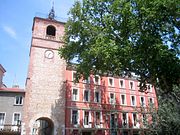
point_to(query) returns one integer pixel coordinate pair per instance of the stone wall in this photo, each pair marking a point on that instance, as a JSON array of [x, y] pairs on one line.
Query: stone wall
[[45, 96]]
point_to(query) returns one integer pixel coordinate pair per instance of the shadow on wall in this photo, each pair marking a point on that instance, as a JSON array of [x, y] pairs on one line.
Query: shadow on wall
[[64, 104], [58, 110]]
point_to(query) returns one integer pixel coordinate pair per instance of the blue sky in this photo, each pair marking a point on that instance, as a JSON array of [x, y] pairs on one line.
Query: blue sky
[[16, 18]]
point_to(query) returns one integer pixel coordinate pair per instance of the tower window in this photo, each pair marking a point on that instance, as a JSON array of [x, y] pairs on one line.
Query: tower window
[[51, 31]]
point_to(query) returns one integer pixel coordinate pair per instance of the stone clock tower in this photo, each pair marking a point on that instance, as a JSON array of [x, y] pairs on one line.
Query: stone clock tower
[[44, 107]]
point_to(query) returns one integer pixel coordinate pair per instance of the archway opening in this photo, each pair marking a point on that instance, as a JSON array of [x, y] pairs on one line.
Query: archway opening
[[51, 30], [44, 126]]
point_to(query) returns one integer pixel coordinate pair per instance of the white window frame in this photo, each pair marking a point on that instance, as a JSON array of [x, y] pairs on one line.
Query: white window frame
[[19, 96], [134, 100], [114, 99], [97, 83], [100, 125], [125, 102], [138, 83], [99, 96], [13, 117], [144, 101], [149, 100], [137, 123], [89, 95], [89, 122], [15, 125], [123, 83], [87, 81], [133, 88], [73, 75], [126, 119], [115, 119], [2, 126], [109, 84], [78, 119], [149, 85], [72, 98]]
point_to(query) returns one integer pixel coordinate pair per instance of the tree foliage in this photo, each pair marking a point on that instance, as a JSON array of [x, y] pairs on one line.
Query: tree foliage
[[166, 120], [124, 36]]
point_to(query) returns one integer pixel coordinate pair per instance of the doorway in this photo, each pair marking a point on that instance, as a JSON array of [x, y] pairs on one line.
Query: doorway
[[44, 127]]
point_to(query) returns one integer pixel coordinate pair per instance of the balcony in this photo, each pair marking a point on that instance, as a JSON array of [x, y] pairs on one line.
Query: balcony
[[8, 129], [99, 125], [50, 37], [137, 125]]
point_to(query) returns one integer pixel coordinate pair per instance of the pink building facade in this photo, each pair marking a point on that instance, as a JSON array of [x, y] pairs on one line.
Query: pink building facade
[[55, 105], [105, 105]]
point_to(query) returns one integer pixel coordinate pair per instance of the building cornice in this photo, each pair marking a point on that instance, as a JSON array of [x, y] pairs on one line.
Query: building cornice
[[47, 20], [12, 90]]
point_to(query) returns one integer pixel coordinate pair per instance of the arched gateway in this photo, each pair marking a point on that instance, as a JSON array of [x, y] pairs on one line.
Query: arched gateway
[[45, 95], [43, 126]]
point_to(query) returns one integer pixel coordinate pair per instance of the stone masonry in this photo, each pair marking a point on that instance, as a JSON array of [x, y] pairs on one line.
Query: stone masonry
[[45, 92]]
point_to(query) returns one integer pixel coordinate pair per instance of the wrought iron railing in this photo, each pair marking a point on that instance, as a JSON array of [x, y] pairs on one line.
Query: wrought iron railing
[[8, 129]]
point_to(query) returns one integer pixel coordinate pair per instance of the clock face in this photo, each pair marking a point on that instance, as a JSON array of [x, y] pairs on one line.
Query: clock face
[[49, 54]]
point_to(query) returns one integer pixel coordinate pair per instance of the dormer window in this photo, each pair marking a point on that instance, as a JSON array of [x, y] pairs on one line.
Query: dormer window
[[51, 31]]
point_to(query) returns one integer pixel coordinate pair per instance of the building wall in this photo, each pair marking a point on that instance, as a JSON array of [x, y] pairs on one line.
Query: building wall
[[8, 106], [104, 106], [49, 90], [1, 78], [2, 71], [45, 92]]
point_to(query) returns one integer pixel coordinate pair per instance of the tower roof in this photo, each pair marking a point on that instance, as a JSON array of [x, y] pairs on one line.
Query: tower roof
[[51, 15]]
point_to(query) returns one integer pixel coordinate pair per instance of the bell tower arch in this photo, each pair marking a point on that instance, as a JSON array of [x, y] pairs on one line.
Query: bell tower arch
[[45, 93]]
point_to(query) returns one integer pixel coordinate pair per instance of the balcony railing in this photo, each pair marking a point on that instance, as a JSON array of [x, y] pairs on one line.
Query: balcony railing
[[50, 37], [8, 129]]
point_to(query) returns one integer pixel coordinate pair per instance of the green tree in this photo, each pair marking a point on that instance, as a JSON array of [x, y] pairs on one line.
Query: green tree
[[119, 37], [123, 36], [165, 120]]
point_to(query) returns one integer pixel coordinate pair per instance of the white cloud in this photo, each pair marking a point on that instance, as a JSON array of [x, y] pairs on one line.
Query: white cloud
[[10, 31]]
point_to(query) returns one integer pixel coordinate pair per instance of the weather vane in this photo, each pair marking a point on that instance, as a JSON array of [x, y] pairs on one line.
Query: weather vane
[[52, 12]]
